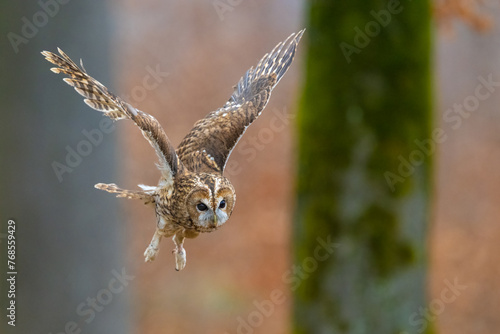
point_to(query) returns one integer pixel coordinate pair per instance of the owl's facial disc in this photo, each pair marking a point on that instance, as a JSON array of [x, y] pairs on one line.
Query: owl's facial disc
[[212, 213], [210, 208]]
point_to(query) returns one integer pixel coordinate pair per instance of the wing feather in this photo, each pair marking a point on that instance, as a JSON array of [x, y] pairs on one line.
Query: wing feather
[[208, 145], [98, 97]]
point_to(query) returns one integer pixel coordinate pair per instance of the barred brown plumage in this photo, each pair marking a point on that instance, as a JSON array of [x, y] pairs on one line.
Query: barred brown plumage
[[192, 195], [218, 133]]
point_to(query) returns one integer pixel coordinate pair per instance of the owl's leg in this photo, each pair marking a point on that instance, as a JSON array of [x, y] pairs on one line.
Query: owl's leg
[[179, 251], [154, 247]]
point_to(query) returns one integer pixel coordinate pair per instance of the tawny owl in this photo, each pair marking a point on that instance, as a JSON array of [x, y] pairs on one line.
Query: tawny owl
[[192, 195]]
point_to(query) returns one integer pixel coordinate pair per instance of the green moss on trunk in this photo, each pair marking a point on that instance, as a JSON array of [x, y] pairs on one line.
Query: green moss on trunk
[[365, 109]]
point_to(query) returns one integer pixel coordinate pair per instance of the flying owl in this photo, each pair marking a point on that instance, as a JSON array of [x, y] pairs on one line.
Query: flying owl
[[192, 195]]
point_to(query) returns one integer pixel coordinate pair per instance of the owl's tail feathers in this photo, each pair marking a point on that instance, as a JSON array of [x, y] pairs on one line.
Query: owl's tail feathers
[[147, 196], [257, 83], [97, 96]]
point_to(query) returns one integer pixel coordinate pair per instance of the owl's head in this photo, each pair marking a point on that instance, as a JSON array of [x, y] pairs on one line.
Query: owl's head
[[210, 202]]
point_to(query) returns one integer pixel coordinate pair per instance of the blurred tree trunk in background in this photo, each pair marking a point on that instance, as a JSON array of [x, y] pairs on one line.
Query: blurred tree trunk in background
[[364, 169], [69, 255]]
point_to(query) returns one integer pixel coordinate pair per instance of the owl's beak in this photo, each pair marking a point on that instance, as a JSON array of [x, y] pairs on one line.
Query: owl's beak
[[216, 221]]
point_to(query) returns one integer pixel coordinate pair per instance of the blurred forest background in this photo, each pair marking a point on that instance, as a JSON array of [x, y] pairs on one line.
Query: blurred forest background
[[79, 250]]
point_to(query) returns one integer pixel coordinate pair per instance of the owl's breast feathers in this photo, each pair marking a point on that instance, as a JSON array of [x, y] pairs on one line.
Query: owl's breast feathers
[[171, 200]]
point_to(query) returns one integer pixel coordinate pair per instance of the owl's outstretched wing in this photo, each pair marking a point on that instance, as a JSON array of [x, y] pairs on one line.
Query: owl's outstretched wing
[[208, 145], [101, 99]]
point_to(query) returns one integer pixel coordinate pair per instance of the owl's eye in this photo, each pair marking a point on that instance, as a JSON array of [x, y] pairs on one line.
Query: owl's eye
[[201, 207], [222, 204]]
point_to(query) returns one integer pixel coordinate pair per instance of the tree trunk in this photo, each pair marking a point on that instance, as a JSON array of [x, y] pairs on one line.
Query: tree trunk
[[69, 236], [364, 169]]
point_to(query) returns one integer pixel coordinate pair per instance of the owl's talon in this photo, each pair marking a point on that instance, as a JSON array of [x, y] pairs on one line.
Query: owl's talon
[[180, 258], [151, 253]]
